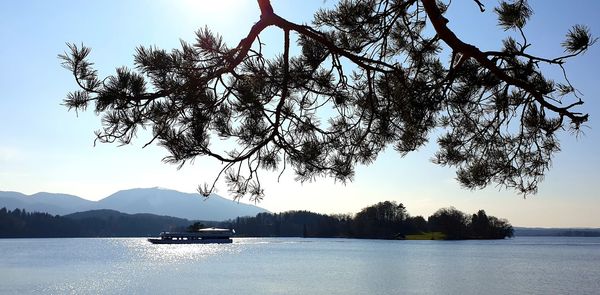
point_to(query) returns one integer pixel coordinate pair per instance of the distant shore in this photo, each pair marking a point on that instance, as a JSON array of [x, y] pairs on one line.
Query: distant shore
[[364, 225]]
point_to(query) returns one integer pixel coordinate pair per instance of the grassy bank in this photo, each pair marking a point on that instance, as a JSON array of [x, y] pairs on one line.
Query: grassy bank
[[427, 236]]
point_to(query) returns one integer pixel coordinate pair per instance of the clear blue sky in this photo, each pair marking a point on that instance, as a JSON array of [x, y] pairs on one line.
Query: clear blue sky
[[45, 148]]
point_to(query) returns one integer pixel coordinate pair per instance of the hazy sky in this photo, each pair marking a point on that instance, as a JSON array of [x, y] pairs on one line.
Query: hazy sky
[[45, 148]]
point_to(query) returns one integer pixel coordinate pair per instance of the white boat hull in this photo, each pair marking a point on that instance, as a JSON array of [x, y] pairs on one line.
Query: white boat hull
[[198, 241]]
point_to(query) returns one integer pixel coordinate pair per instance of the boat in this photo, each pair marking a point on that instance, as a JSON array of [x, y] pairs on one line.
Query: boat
[[210, 235]]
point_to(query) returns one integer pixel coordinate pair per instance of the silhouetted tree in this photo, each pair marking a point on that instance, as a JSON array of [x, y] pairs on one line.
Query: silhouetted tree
[[457, 225], [452, 222], [377, 64], [384, 219], [480, 224], [483, 226], [416, 224], [499, 228]]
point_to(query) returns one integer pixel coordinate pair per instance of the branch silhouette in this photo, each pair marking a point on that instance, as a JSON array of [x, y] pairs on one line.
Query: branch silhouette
[[368, 76]]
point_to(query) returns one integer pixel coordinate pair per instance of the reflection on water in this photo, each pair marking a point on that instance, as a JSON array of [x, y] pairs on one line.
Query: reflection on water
[[173, 254], [301, 266]]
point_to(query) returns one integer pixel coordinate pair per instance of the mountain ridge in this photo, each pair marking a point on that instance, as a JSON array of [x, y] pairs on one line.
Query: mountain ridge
[[158, 201]]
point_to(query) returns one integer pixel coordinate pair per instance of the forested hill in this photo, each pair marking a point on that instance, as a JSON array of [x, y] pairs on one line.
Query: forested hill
[[96, 223], [384, 220]]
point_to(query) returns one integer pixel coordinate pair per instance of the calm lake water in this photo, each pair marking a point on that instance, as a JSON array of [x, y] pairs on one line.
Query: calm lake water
[[525, 265]]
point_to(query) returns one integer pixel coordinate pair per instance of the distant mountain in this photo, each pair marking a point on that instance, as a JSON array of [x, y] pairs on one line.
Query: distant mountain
[[173, 203], [156, 201], [56, 204]]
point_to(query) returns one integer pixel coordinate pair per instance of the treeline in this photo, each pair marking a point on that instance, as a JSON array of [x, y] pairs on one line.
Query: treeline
[[457, 225], [384, 220], [21, 224], [96, 223]]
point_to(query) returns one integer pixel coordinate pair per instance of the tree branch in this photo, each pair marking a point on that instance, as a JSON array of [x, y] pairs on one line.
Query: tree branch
[[439, 22]]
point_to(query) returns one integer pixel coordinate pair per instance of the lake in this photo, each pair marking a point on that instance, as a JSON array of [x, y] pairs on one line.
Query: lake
[[523, 265]]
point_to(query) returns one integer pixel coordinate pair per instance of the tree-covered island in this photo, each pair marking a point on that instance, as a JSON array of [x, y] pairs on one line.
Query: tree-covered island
[[384, 220]]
